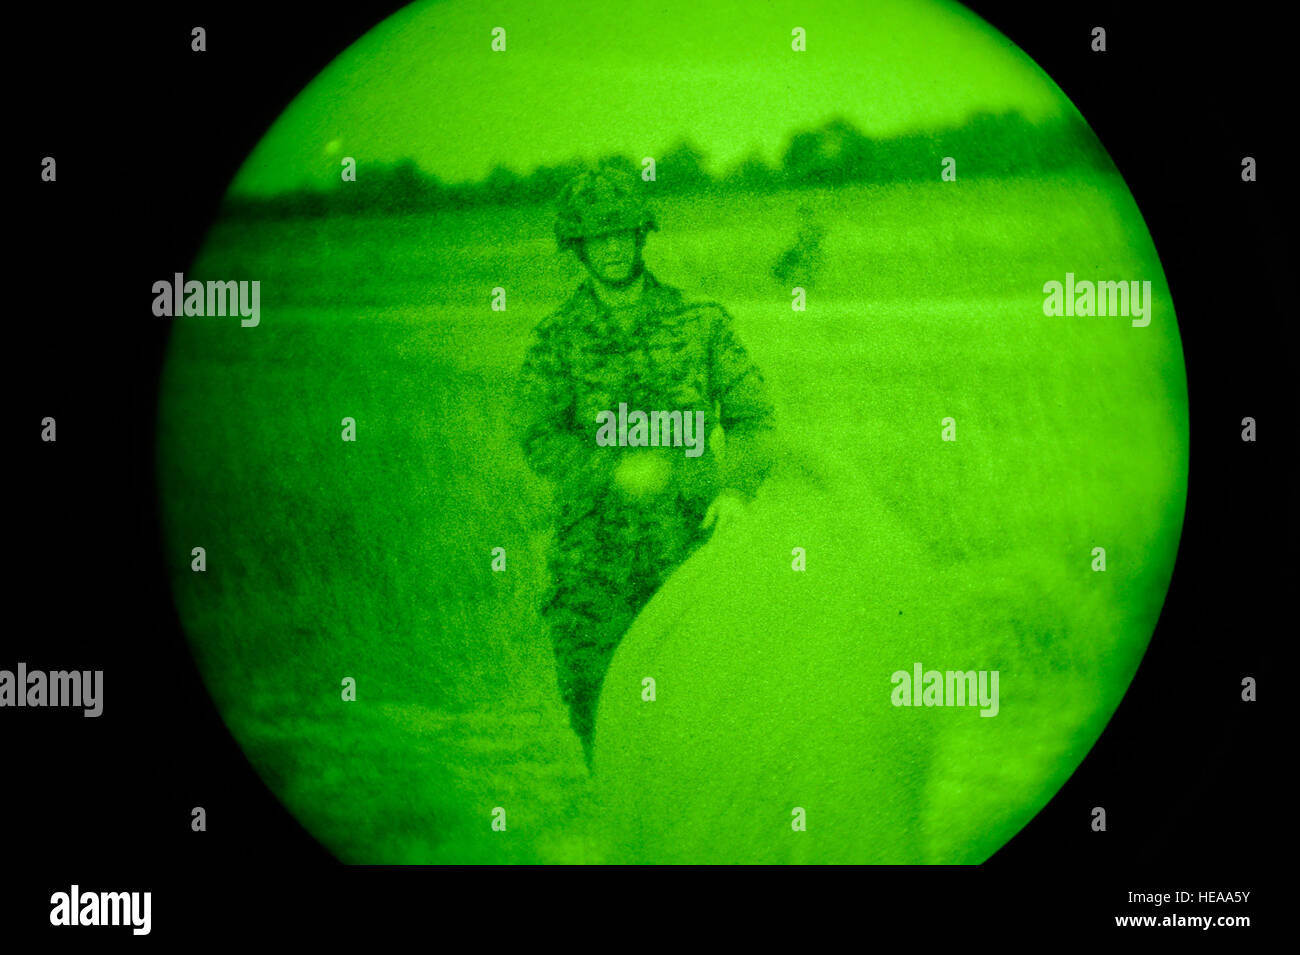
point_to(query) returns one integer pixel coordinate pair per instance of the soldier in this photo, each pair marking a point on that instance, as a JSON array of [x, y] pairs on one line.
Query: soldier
[[626, 517]]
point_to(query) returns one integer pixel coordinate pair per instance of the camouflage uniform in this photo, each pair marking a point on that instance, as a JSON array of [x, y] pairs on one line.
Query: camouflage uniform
[[610, 552]]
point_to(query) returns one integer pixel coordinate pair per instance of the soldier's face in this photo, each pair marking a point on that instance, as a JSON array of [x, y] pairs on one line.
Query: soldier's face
[[612, 258]]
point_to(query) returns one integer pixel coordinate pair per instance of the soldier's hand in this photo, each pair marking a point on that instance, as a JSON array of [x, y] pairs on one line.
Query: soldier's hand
[[641, 474], [726, 507]]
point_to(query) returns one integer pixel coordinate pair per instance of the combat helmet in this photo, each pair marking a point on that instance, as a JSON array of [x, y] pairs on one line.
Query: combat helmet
[[600, 202]]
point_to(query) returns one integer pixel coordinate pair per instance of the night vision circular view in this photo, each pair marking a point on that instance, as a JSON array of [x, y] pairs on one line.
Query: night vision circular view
[[687, 432]]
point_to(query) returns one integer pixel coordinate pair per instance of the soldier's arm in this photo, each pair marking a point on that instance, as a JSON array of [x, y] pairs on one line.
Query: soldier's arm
[[555, 445], [747, 413]]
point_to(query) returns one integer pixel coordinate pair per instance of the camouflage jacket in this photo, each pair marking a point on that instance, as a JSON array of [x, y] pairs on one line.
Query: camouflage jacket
[[671, 355]]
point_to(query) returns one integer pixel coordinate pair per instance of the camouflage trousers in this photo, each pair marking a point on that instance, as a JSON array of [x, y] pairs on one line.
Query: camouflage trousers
[[605, 565]]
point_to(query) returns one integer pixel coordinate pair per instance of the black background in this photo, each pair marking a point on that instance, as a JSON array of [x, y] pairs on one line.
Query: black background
[[148, 134]]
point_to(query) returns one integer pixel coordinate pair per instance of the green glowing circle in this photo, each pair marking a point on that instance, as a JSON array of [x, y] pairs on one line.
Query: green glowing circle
[[965, 483]]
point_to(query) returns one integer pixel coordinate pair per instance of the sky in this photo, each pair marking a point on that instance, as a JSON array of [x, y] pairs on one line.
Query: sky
[[583, 79]]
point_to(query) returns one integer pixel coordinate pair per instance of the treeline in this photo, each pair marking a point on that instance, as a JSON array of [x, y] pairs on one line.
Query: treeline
[[1000, 145]]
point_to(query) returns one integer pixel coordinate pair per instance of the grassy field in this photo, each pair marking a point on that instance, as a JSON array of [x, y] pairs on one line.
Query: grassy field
[[371, 560]]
